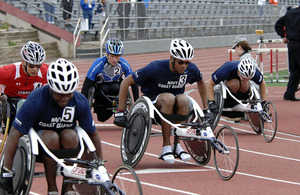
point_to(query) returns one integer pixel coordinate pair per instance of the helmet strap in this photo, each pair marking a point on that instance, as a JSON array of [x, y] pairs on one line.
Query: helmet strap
[[173, 64]]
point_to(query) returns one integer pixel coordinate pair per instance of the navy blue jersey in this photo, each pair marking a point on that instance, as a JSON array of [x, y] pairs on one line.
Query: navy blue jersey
[[106, 72], [157, 78], [42, 113], [229, 71]]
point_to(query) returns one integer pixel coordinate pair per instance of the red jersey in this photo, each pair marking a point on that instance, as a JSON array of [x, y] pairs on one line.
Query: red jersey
[[16, 83]]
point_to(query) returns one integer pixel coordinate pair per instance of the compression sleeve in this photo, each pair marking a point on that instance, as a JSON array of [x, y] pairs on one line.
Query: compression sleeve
[[86, 86]]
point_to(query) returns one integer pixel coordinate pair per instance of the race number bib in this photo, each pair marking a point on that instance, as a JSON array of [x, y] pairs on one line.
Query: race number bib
[[117, 71], [68, 114], [182, 79]]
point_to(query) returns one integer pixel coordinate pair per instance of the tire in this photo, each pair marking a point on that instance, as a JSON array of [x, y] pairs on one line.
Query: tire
[[200, 150], [269, 118], [227, 161], [126, 181], [135, 139], [23, 167], [218, 91], [255, 121], [4, 128]]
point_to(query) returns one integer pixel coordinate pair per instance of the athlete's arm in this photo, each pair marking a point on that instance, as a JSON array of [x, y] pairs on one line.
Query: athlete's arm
[[203, 92], [11, 146], [123, 91], [97, 142], [263, 90], [210, 90], [86, 86]]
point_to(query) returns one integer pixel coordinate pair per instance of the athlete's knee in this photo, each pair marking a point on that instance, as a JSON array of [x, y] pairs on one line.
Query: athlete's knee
[[69, 139], [166, 99]]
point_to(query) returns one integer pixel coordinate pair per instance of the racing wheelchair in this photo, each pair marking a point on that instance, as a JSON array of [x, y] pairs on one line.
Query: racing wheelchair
[[105, 105], [87, 173], [8, 109], [262, 116], [196, 133]]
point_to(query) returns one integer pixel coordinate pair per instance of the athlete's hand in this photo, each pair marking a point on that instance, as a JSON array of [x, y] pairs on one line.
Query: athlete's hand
[[121, 119], [213, 107], [6, 180]]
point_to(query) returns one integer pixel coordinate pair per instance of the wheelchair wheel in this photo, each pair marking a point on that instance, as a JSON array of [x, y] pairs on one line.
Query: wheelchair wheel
[[218, 91], [200, 150], [135, 139], [269, 117], [23, 167], [255, 121], [4, 128], [126, 181], [227, 161]]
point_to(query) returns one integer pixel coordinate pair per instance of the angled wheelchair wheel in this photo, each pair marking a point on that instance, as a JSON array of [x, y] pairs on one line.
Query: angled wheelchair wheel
[[135, 139], [218, 91], [200, 150], [5, 118], [269, 117], [126, 181], [255, 121], [227, 160], [23, 167]]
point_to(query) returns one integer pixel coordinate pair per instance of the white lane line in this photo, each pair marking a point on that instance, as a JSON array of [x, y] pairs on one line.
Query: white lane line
[[240, 173]]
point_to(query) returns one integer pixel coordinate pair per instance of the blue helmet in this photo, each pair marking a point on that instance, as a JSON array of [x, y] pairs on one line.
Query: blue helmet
[[114, 46]]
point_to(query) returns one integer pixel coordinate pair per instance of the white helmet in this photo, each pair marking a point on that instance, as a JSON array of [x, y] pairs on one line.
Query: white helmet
[[181, 49], [247, 68], [62, 76], [33, 53]]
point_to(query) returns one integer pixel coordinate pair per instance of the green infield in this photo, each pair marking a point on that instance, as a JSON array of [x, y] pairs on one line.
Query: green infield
[[282, 78]]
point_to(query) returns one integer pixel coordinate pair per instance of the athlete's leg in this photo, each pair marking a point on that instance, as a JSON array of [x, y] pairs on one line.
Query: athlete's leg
[[181, 108], [165, 104], [51, 140]]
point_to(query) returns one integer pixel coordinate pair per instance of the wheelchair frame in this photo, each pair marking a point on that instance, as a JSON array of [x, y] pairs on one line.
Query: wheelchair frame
[[93, 172], [133, 148], [257, 115]]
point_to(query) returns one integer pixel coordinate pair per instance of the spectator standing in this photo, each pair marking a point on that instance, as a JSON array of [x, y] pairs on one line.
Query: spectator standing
[[49, 6], [123, 10], [141, 14], [87, 7], [67, 6], [274, 10], [288, 28], [242, 48], [261, 4]]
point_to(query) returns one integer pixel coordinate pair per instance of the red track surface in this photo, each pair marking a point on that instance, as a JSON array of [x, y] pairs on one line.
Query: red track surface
[[264, 168]]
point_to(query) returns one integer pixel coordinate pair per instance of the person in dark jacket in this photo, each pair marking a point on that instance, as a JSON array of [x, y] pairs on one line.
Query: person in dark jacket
[[141, 14], [288, 28], [67, 5]]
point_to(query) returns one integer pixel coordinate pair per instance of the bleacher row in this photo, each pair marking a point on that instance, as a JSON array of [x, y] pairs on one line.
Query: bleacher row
[[166, 18]]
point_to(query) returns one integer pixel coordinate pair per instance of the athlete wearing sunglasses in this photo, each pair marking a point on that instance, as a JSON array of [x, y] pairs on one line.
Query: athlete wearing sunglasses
[[163, 81]]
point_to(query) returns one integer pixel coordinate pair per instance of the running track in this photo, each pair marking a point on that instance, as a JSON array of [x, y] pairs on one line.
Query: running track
[[264, 168]]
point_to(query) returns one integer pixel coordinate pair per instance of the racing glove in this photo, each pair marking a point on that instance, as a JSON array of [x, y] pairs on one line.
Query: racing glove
[[121, 118], [6, 180], [213, 107]]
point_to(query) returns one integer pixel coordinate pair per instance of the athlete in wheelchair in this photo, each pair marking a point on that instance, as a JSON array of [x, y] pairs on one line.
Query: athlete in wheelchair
[[232, 93], [53, 112], [163, 82], [103, 79], [18, 80]]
